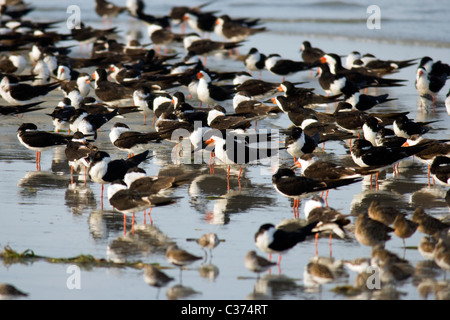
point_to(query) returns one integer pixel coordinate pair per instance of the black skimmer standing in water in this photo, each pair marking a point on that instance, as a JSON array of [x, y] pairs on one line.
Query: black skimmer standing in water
[[90, 123], [110, 92], [202, 22], [285, 67], [315, 168], [212, 94], [287, 183], [133, 142], [298, 143], [206, 47], [38, 140], [256, 88], [103, 170], [108, 10], [273, 240], [405, 127], [78, 150], [20, 109], [244, 104], [61, 115], [232, 150], [364, 154], [434, 149], [431, 77], [310, 54], [440, 170], [255, 61], [328, 218], [22, 93], [161, 36], [233, 30], [129, 201]]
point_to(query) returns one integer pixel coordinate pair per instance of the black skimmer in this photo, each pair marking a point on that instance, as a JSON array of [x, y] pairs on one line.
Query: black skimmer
[[133, 142], [256, 88], [255, 61], [364, 154], [298, 143], [285, 67], [186, 112], [110, 92], [363, 102], [297, 113], [405, 127], [310, 54], [431, 77], [102, 169], [243, 103], [203, 22], [38, 140], [328, 218], [205, 47], [82, 84], [161, 36], [61, 114], [129, 201], [212, 94], [14, 63], [256, 263], [379, 67], [371, 232], [305, 96], [326, 131], [22, 93], [334, 84], [234, 30], [434, 149], [360, 79], [232, 150], [273, 240], [90, 123], [78, 151], [315, 168], [108, 10], [143, 99], [440, 170], [177, 13], [218, 119], [378, 135], [16, 110], [287, 183]]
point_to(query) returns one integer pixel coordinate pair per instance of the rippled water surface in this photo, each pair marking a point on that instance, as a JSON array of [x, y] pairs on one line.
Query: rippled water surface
[[44, 212]]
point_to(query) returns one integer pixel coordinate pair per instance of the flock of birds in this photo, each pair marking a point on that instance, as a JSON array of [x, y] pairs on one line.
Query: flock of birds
[[161, 85]]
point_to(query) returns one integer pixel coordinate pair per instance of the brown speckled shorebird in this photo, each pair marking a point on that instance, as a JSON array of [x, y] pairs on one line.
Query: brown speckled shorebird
[[442, 255], [403, 227], [208, 241], [256, 263], [180, 257], [427, 246], [371, 232], [427, 223], [8, 291], [381, 213]]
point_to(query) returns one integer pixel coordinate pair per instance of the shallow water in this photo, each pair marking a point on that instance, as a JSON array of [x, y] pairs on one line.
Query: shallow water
[[44, 212]]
